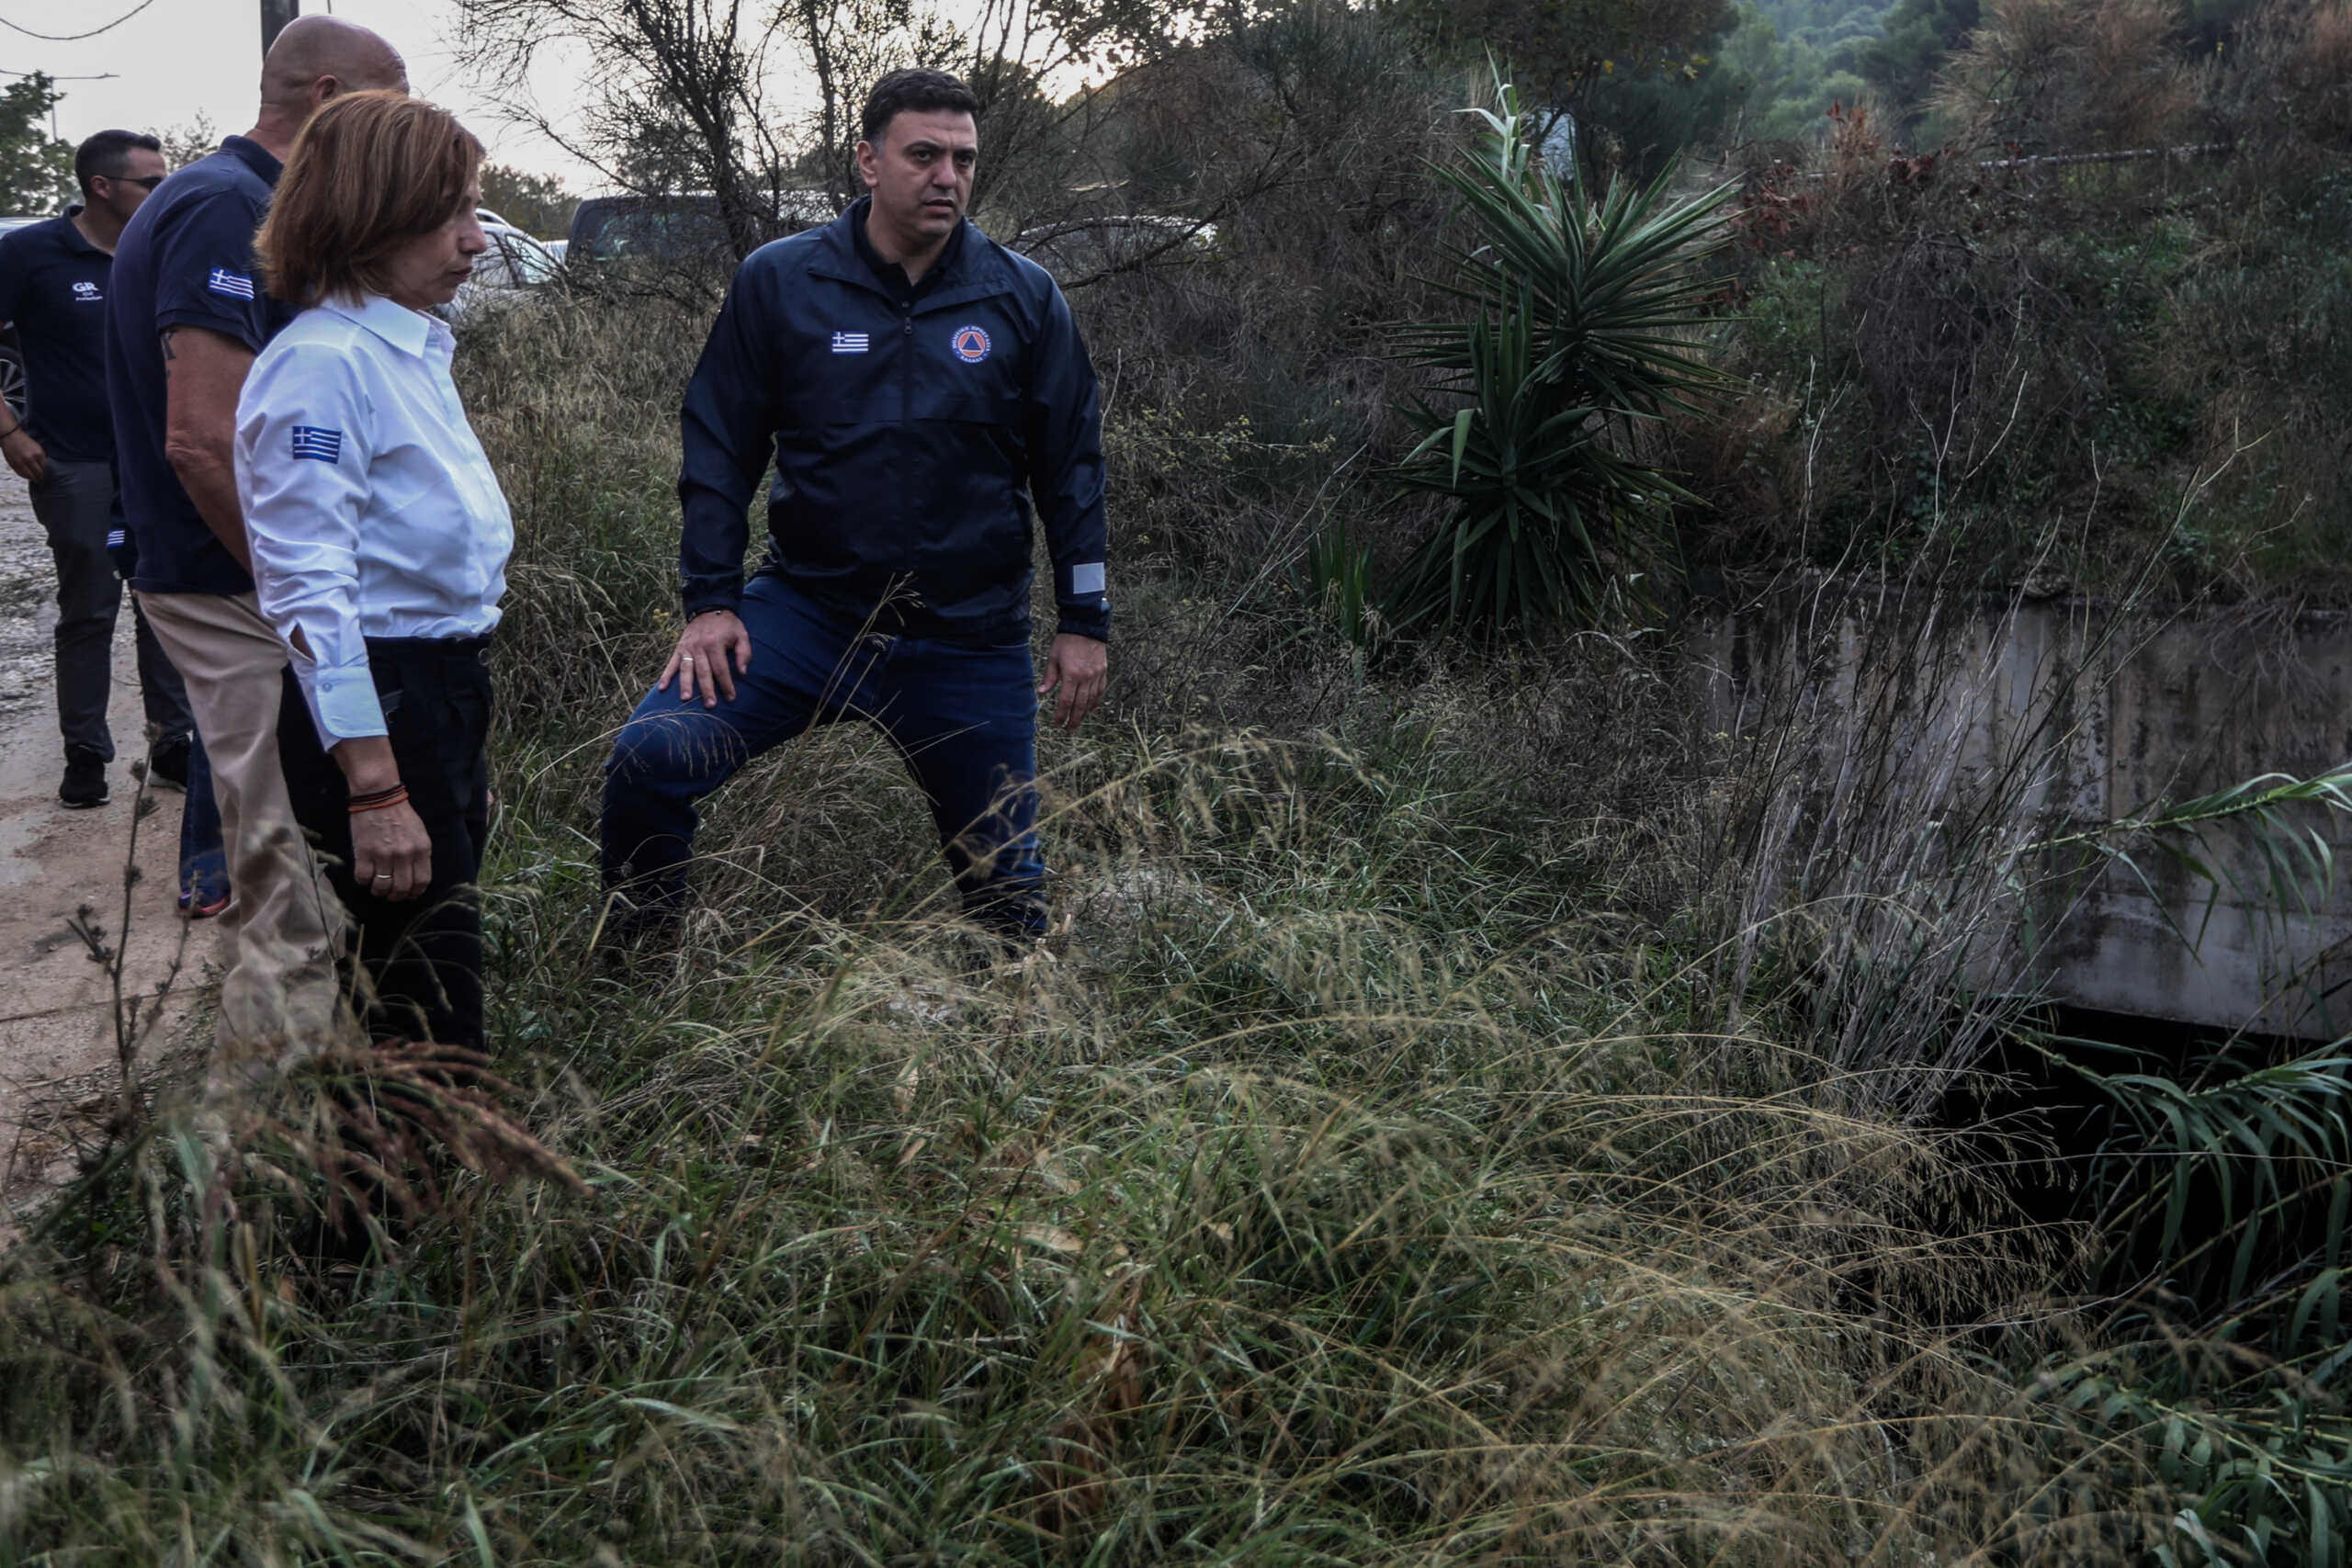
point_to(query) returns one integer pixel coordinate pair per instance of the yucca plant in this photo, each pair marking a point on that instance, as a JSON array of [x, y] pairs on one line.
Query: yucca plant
[[1581, 325], [1337, 580]]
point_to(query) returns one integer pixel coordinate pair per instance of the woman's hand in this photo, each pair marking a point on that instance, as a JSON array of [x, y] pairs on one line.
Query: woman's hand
[[714, 649], [392, 855]]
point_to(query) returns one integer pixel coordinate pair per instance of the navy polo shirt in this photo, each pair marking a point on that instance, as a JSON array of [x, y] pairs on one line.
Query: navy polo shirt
[[53, 287], [185, 260]]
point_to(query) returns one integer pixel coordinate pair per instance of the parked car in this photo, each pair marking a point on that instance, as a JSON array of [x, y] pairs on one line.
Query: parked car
[[12, 363], [513, 271], [682, 232]]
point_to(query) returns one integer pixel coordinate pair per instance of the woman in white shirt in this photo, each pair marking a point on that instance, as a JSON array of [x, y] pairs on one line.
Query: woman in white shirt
[[380, 536]]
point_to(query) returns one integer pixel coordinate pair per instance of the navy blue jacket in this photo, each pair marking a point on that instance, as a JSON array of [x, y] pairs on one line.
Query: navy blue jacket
[[909, 431]]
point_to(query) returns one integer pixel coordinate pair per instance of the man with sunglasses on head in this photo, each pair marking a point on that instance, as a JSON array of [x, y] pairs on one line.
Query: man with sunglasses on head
[[54, 277]]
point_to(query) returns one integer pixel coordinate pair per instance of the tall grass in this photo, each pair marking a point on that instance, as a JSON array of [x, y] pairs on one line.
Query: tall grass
[[1370, 1167]]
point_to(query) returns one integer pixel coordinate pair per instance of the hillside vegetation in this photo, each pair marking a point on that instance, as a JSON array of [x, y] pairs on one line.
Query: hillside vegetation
[[2114, 375]]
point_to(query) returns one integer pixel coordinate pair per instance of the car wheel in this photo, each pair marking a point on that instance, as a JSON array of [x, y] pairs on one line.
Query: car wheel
[[12, 382]]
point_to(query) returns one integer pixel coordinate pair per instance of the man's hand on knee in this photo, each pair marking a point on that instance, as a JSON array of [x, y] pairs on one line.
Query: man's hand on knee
[[711, 652], [1079, 667]]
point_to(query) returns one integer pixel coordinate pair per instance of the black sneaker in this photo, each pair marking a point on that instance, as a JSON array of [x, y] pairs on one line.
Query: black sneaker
[[85, 781], [168, 761]]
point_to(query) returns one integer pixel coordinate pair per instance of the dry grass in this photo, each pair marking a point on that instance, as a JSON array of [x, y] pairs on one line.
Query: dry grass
[[1373, 1166]]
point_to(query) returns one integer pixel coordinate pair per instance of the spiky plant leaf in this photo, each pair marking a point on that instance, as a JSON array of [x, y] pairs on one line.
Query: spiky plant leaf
[[1582, 311]]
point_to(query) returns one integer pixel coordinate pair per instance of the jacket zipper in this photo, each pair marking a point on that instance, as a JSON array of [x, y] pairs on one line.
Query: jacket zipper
[[906, 415]]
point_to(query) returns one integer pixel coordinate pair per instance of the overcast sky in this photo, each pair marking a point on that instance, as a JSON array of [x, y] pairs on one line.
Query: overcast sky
[[178, 58]]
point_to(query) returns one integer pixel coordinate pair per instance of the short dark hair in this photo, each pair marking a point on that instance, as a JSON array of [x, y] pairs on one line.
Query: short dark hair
[[104, 156], [923, 91]]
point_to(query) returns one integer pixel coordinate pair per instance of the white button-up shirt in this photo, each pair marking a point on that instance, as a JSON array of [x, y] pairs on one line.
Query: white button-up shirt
[[371, 508]]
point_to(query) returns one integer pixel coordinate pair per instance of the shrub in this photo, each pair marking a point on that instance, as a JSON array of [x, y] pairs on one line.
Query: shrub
[[1582, 312]]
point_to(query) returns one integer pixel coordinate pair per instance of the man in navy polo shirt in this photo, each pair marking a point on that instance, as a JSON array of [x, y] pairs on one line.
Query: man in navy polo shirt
[[185, 320], [917, 388], [53, 283]]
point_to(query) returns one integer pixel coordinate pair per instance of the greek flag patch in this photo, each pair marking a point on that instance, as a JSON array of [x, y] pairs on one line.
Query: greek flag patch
[[235, 285], [849, 342], [314, 441], [114, 538]]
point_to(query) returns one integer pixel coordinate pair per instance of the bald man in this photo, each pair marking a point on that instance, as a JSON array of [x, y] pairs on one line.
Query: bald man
[[186, 317]]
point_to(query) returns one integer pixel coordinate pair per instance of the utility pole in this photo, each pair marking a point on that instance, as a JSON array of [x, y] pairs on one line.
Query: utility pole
[[274, 15]]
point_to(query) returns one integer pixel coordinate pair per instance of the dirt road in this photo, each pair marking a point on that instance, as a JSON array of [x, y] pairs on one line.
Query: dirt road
[[58, 1058]]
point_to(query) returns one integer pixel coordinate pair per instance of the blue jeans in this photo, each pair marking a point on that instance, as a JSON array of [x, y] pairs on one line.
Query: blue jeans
[[204, 862], [81, 504], [964, 718]]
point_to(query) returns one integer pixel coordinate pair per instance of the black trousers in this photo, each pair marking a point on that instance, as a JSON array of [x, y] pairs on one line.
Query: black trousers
[[78, 505], [421, 958]]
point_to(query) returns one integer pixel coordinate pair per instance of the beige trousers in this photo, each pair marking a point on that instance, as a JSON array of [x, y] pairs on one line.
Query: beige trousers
[[285, 927]]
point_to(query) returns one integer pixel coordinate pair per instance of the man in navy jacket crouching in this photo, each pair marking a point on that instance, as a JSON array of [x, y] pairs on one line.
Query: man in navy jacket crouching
[[917, 386]]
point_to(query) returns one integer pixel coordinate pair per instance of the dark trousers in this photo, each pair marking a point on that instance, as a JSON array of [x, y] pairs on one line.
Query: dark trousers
[[78, 506], [964, 718], [204, 858], [421, 958]]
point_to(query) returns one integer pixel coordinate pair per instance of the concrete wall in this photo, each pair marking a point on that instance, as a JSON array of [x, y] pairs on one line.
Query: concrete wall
[[2035, 719]]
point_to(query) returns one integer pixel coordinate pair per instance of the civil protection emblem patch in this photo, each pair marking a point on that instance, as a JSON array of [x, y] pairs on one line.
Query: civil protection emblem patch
[[971, 345]]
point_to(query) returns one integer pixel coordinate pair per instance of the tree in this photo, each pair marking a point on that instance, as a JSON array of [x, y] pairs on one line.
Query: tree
[[1564, 54], [184, 144], [36, 168], [694, 72], [1919, 36], [2073, 75], [692, 95], [537, 204]]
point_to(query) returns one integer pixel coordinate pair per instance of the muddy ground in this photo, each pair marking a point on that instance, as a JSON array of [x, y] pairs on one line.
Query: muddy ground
[[61, 1067]]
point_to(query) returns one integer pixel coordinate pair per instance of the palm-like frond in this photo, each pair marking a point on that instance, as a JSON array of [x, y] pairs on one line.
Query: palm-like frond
[[1581, 323]]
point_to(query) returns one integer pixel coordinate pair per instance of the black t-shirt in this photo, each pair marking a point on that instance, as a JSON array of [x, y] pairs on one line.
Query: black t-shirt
[[893, 276], [185, 260], [53, 287]]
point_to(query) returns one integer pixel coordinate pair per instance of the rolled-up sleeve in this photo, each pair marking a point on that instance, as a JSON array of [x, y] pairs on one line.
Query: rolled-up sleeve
[[303, 427]]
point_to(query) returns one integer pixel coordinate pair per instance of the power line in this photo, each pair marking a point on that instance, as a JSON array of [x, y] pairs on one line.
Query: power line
[[76, 38]]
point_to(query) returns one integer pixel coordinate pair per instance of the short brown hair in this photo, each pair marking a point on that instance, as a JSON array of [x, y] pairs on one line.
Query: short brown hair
[[369, 172]]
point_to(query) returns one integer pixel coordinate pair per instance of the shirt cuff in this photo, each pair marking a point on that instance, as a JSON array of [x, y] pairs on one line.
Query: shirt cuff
[[1091, 621], [343, 701]]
